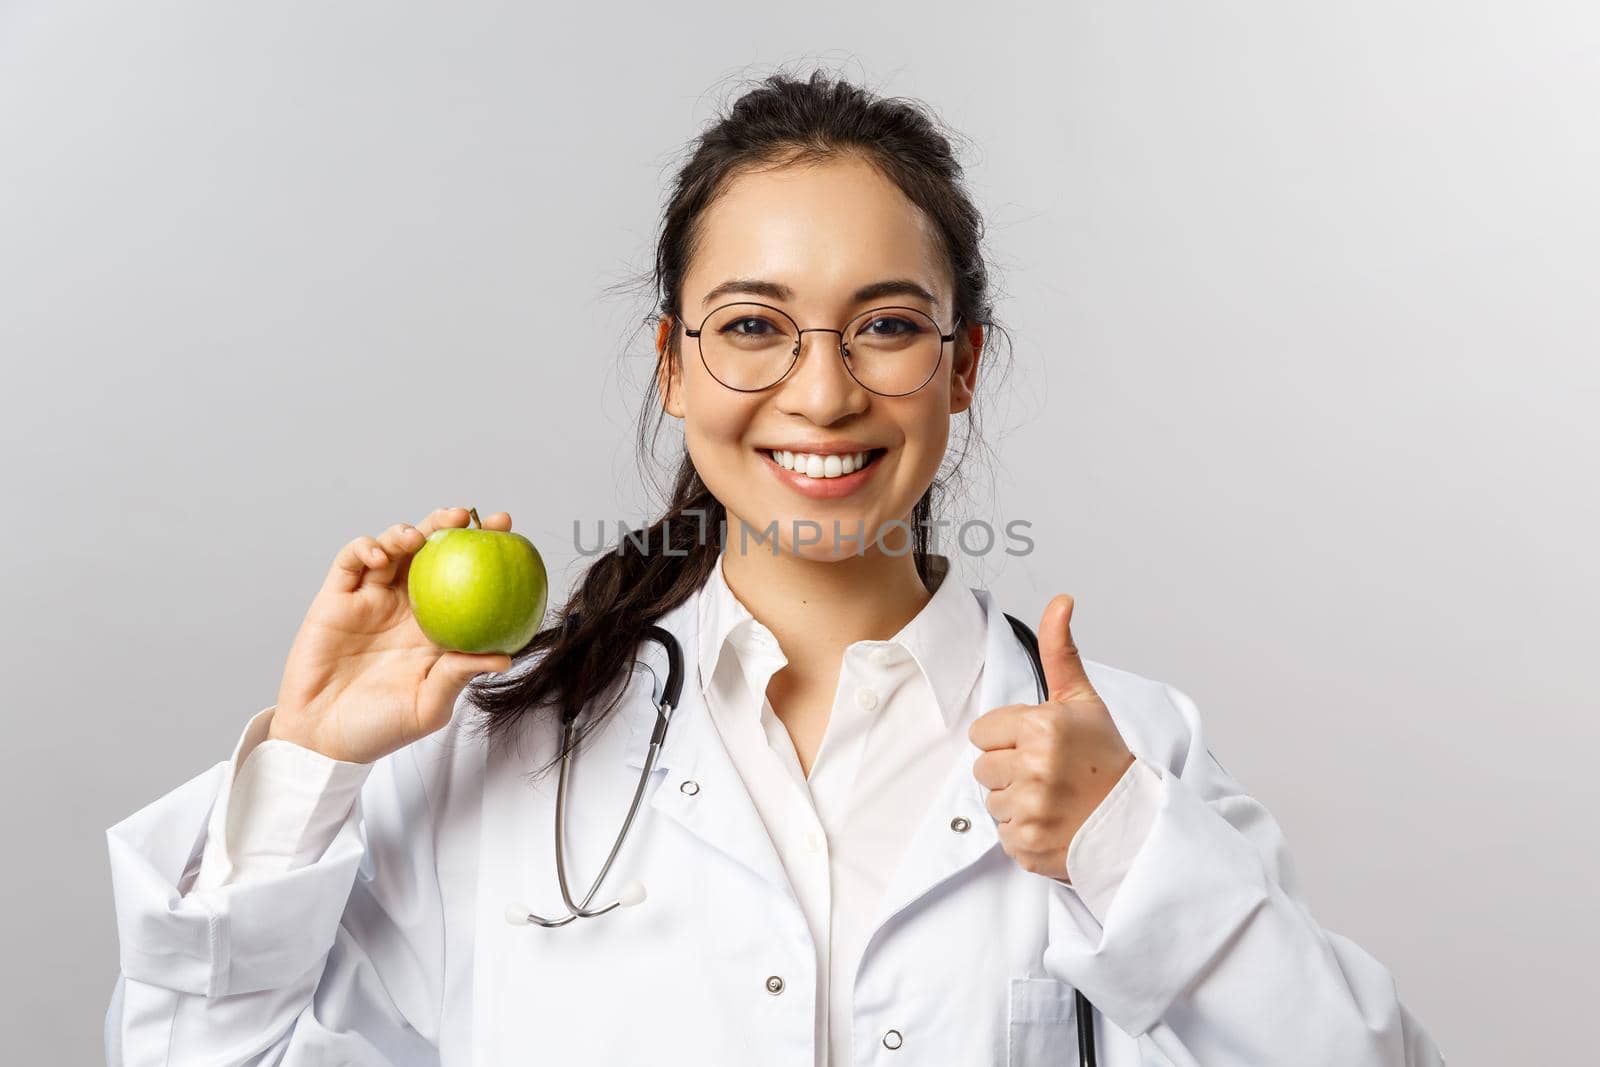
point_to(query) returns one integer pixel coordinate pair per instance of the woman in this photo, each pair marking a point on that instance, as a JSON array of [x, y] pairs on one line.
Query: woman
[[866, 836]]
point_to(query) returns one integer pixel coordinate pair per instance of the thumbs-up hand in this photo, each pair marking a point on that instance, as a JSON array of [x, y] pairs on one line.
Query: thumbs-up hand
[[1048, 766]]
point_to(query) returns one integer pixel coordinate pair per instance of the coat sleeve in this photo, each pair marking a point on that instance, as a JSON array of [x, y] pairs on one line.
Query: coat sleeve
[[1208, 951], [336, 961]]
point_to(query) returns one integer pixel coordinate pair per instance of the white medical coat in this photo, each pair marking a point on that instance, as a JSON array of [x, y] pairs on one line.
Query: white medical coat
[[393, 947]]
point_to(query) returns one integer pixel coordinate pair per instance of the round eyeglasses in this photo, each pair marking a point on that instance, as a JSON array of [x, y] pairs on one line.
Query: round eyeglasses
[[891, 351]]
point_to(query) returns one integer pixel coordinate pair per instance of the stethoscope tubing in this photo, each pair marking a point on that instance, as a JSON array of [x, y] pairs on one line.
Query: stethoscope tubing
[[1082, 1009], [664, 708]]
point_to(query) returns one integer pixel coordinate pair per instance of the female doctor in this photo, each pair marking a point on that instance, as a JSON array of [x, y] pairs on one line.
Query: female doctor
[[865, 836]]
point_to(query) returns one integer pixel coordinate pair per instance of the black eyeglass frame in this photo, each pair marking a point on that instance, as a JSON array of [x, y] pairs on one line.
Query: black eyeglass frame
[[844, 349]]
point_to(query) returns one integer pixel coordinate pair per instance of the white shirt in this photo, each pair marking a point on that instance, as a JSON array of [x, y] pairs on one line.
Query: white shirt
[[899, 721]]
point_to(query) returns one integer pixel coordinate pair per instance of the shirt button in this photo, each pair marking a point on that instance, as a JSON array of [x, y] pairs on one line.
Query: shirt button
[[866, 699], [891, 1039], [774, 985], [814, 840], [880, 656], [690, 787], [960, 825]]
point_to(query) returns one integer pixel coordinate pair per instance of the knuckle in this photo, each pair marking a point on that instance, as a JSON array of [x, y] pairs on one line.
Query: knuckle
[[1053, 723]]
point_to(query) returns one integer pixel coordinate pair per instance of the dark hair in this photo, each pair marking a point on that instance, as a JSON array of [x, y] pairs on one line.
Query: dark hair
[[782, 121]]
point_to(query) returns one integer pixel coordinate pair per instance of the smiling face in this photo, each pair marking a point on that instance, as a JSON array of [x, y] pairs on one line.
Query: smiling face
[[820, 235]]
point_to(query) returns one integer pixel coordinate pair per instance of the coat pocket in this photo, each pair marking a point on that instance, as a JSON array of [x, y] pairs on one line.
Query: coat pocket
[[1041, 1024]]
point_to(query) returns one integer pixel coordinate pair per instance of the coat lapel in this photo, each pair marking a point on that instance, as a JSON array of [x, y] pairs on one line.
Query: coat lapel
[[719, 810], [938, 850]]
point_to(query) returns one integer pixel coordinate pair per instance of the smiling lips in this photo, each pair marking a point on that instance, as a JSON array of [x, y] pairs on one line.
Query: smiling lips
[[823, 465], [823, 475]]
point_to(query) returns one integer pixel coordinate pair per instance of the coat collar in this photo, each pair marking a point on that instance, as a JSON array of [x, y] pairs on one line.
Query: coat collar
[[1006, 678], [945, 639]]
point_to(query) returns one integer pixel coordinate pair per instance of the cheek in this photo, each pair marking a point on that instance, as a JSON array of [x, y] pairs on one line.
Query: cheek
[[927, 434], [716, 422], [714, 416]]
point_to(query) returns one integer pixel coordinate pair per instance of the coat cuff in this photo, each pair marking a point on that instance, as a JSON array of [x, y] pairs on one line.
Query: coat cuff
[[1105, 845], [1159, 932], [279, 809]]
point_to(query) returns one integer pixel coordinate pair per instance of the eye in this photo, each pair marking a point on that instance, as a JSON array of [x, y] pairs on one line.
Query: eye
[[906, 326], [731, 327]]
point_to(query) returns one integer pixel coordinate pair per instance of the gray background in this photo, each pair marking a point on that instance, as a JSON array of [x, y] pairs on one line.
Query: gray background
[[1301, 410]]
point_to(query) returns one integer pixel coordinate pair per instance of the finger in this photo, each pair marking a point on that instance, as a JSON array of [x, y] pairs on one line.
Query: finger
[[1064, 675], [442, 517], [439, 520], [995, 770], [450, 673], [351, 564], [398, 543], [999, 804], [997, 728]]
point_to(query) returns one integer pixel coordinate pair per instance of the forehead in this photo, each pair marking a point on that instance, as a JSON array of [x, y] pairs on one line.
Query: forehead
[[824, 230]]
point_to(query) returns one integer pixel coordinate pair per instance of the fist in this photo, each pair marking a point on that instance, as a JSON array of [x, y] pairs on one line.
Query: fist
[[1048, 766]]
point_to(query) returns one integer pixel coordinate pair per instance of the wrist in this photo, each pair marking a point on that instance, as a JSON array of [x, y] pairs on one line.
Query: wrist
[[278, 729]]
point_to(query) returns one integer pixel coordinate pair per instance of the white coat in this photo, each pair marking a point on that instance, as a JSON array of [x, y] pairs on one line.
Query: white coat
[[393, 947]]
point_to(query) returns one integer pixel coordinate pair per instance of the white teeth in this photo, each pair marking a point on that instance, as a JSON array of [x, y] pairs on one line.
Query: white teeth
[[816, 466]]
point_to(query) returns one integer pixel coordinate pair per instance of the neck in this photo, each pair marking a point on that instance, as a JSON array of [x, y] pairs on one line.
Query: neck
[[817, 608]]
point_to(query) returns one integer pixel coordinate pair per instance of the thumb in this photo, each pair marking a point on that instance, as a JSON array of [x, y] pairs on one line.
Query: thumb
[[1064, 675], [450, 673]]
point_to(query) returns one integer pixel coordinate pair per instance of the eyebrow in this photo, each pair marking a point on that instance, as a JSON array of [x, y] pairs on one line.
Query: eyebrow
[[779, 291]]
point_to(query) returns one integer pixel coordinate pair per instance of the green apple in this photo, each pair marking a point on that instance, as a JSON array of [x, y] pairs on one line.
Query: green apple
[[477, 590]]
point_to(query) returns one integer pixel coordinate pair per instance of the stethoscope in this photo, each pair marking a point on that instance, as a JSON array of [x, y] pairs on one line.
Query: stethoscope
[[633, 892]]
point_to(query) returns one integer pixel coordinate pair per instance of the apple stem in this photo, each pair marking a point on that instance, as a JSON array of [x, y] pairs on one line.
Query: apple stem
[[475, 520]]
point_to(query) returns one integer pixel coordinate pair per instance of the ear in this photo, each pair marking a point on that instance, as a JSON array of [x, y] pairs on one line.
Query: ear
[[669, 376], [964, 378]]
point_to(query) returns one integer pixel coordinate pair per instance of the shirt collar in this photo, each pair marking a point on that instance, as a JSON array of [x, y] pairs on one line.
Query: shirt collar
[[945, 639]]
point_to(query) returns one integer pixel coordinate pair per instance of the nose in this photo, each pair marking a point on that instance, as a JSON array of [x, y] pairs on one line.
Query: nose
[[818, 386]]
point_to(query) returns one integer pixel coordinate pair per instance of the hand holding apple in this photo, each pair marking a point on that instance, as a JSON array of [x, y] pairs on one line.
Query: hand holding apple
[[362, 679], [1048, 766]]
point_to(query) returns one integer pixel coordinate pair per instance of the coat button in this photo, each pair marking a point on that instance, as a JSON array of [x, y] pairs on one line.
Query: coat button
[[690, 787], [960, 825], [891, 1039], [774, 985], [866, 699]]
